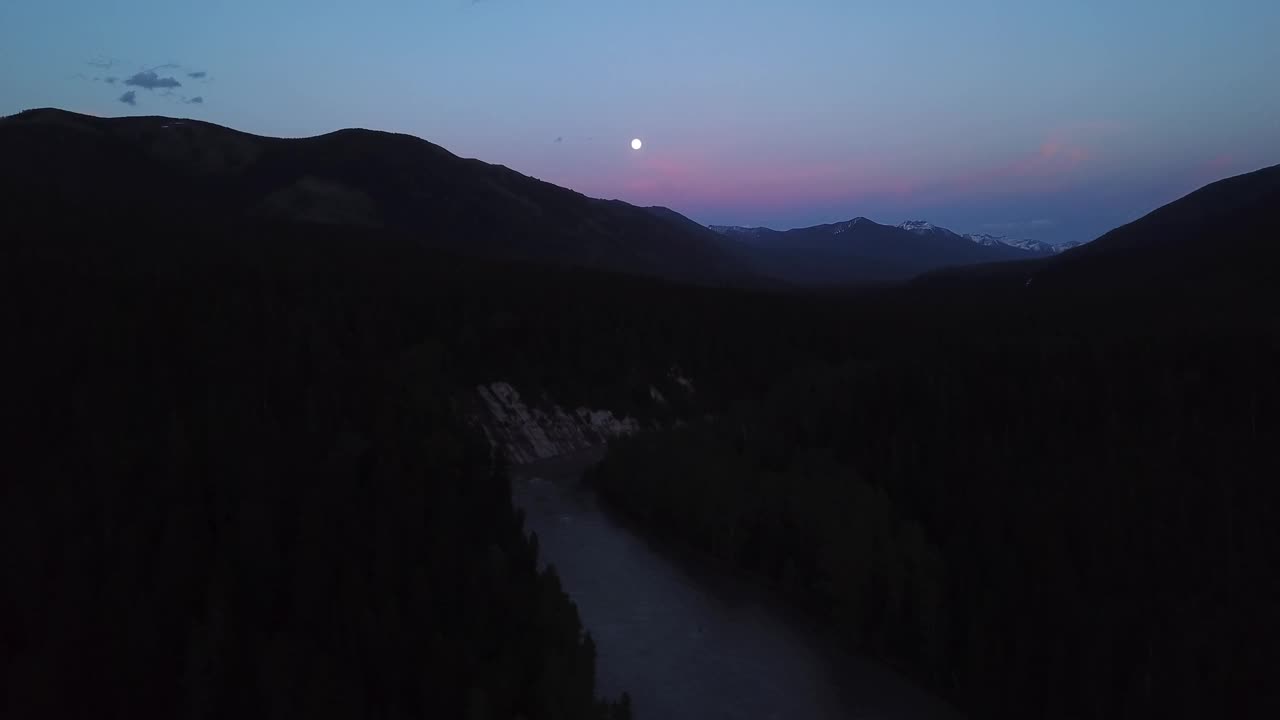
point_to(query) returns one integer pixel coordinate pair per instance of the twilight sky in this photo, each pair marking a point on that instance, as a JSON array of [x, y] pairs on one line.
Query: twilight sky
[[1052, 119]]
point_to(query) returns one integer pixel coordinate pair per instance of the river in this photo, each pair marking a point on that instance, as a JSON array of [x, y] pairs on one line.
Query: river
[[686, 639]]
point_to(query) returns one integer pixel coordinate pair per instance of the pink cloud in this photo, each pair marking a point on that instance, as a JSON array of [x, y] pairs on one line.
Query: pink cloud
[[705, 179], [1056, 163], [1219, 164], [1055, 148], [731, 176]]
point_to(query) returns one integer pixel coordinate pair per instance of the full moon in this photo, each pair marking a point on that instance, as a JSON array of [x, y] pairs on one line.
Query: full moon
[[636, 144]]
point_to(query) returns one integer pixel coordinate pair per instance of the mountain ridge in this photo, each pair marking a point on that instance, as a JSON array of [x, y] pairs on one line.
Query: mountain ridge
[[861, 251], [920, 227], [183, 169], [1220, 243], [177, 172]]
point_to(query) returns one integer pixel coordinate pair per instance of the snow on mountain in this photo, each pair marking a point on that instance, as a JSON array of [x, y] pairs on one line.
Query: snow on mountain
[[920, 227], [1036, 247], [841, 227], [736, 230], [986, 240], [928, 229], [1032, 246], [1039, 247]]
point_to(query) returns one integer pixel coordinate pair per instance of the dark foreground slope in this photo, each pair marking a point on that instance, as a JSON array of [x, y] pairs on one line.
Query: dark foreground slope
[[235, 479], [1223, 238], [235, 486], [1221, 242], [354, 178], [1053, 500]]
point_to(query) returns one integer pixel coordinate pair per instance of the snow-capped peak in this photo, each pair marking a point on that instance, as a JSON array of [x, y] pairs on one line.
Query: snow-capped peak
[[841, 227], [920, 227], [1032, 246], [734, 230], [986, 239]]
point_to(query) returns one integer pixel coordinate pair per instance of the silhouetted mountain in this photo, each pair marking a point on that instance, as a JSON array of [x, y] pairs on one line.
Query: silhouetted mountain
[[1221, 240], [194, 171], [860, 251], [239, 480], [1223, 237]]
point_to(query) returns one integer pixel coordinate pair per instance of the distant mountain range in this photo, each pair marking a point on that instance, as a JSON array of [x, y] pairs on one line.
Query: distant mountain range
[[1035, 247], [1038, 247], [861, 251], [191, 171], [923, 228], [122, 172]]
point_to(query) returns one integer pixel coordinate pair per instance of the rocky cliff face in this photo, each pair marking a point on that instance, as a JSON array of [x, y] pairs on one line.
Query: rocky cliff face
[[527, 434]]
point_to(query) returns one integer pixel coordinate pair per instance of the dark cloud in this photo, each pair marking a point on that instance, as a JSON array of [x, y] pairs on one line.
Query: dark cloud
[[198, 75], [559, 140], [129, 98], [110, 79], [148, 80], [197, 100]]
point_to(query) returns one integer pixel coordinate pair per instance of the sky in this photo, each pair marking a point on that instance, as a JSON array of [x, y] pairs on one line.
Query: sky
[[1055, 120]]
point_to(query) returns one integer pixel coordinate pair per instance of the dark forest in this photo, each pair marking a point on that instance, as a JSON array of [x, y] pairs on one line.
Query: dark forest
[[238, 482]]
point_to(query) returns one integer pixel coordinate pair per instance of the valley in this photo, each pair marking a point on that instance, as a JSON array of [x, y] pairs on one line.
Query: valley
[[684, 638], [284, 410]]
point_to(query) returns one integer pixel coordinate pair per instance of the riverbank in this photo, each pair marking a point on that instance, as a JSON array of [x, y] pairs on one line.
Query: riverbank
[[684, 637]]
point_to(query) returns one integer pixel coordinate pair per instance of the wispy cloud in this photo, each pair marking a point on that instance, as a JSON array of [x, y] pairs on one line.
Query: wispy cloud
[[1062, 158], [1219, 164], [149, 80], [152, 79]]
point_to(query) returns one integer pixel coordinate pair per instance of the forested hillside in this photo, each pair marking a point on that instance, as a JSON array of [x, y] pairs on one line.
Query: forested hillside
[[237, 478], [1050, 527], [1044, 496], [236, 487], [355, 178]]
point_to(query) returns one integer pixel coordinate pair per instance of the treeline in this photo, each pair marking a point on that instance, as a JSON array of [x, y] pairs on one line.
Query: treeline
[[1052, 519], [236, 486], [236, 479]]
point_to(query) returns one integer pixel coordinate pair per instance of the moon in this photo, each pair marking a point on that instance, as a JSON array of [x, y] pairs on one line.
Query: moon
[[636, 144]]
